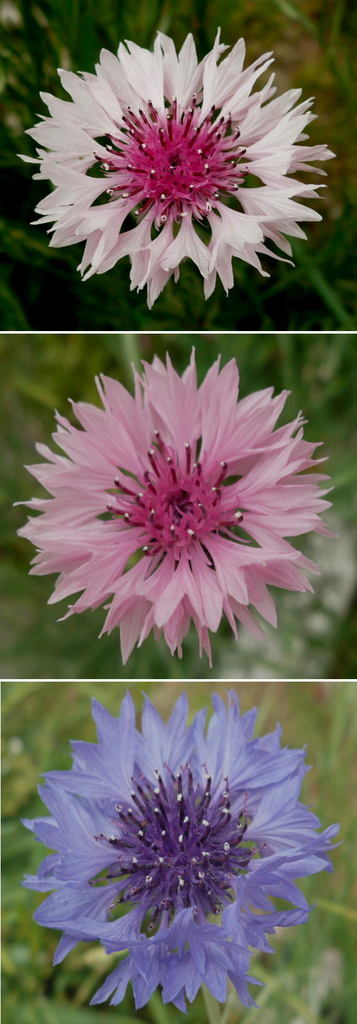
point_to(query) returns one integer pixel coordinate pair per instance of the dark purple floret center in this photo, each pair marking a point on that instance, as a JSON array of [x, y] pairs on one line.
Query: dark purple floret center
[[177, 845]]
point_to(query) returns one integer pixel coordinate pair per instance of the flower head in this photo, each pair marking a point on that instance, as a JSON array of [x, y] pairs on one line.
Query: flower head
[[186, 835], [177, 504], [171, 141]]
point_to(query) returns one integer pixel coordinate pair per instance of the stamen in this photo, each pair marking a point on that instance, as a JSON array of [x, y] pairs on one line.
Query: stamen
[[174, 860], [172, 504], [167, 157]]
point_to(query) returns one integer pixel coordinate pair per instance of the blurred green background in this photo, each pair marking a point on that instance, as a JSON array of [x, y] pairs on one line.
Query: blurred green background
[[311, 978], [315, 637], [313, 42]]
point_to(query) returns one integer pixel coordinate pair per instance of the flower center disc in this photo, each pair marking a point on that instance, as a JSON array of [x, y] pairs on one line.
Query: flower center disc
[[177, 503], [175, 162], [178, 846]]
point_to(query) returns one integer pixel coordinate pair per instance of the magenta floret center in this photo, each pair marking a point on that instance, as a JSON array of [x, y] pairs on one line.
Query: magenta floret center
[[175, 161], [177, 844], [174, 502]]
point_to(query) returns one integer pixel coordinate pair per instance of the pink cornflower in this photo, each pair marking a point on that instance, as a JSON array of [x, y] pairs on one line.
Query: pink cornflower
[[171, 141], [176, 503]]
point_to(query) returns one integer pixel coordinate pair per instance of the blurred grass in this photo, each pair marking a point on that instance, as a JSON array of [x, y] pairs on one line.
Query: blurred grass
[[310, 980], [313, 44], [315, 636]]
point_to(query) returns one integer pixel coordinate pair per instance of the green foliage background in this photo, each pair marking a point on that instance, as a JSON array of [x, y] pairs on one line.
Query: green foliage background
[[315, 637], [40, 288], [311, 978]]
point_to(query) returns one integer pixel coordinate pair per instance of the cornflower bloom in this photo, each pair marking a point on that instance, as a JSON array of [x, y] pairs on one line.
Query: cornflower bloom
[[171, 843], [176, 503], [203, 163]]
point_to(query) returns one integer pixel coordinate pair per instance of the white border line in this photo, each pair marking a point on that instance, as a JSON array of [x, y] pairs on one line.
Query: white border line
[[183, 680], [176, 333]]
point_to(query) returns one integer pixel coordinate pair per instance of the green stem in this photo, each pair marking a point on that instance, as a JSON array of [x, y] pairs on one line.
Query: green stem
[[227, 1009], [164, 17], [159, 1012], [130, 348], [212, 1007]]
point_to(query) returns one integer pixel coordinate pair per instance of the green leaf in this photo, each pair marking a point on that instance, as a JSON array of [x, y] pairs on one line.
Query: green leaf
[[337, 908]]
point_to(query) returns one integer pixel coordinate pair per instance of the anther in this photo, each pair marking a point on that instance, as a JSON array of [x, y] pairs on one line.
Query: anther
[[221, 476]]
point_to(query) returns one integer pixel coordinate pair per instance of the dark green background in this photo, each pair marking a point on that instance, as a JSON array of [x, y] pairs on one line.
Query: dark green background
[[315, 637], [311, 978], [40, 288]]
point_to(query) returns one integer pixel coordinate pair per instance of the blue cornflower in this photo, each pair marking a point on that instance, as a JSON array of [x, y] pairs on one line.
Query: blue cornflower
[[170, 844]]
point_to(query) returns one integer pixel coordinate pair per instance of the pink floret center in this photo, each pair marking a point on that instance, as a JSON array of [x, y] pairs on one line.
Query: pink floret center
[[174, 162], [175, 503]]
